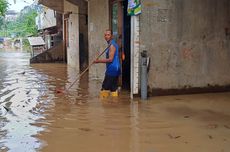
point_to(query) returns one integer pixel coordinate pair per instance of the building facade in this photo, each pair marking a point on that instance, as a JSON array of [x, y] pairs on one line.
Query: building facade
[[188, 42]]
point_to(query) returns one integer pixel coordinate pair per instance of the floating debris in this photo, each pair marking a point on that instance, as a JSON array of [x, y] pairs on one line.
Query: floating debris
[[226, 126], [212, 126], [173, 137], [210, 137], [85, 129]]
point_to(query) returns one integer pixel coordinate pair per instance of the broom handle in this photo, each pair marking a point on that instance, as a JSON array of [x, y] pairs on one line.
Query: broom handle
[[80, 75]]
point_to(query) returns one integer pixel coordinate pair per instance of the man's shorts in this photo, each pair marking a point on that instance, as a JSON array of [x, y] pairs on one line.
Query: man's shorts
[[110, 83]]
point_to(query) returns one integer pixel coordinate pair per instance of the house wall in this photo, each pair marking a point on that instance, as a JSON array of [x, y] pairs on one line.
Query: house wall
[[98, 11], [54, 54], [188, 43], [46, 19], [73, 22]]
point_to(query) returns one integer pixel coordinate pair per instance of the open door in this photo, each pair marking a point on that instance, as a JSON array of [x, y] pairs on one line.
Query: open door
[[120, 25]]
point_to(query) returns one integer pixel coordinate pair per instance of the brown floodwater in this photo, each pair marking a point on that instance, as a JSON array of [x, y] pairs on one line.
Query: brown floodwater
[[33, 117]]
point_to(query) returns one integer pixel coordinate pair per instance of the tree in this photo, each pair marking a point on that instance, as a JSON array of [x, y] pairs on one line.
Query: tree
[[3, 7], [23, 26]]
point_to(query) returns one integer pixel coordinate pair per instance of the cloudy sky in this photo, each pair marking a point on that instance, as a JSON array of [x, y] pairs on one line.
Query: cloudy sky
[[19, 5]]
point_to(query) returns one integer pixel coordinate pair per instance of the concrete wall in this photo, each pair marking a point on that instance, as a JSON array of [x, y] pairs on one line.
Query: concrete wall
[[188, 42], [73, 22], [98, 11], [83, 31], [54, 54]]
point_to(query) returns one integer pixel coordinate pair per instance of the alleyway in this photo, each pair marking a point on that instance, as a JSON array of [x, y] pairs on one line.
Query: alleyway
[[35, 118]]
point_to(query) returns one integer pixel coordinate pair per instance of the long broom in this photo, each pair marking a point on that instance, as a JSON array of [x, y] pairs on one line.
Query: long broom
[[82, 73]]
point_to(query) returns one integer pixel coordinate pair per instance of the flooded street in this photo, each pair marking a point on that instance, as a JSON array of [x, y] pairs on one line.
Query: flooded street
[[33, 117]]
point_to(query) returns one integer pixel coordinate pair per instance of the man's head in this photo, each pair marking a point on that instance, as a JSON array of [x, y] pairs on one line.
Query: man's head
[[108, 35]]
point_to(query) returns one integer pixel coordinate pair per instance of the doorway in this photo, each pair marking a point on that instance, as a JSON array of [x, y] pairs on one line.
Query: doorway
[[120, 23], [83, 35]]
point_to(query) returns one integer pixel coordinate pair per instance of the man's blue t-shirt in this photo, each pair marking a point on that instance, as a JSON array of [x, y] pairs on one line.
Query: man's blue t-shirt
[[113, 68]]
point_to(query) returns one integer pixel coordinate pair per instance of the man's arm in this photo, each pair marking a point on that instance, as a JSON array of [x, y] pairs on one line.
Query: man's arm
[[112, 51]]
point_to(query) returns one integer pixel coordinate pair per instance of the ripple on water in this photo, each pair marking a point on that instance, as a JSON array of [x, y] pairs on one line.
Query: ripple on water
[[21, 91]]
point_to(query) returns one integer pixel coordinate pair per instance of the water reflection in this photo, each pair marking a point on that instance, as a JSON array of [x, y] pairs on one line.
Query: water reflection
[[39, 119], [21, 89]]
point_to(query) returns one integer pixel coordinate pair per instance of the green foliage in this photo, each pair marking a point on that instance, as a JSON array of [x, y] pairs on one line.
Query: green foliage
[[3, 7], [24, 25], [1, 22]]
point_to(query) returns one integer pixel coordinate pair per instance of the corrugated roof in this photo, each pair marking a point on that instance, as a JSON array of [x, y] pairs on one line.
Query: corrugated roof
[[36, 41]]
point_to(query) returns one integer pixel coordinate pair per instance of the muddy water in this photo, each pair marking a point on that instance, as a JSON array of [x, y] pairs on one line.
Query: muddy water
[[39, 119], [20, 90]]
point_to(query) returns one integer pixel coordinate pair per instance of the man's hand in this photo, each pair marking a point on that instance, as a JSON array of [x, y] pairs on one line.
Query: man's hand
[[112, 51], [96, 61]]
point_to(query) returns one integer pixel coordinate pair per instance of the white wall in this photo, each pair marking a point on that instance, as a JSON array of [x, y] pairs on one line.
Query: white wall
[[46, 19]]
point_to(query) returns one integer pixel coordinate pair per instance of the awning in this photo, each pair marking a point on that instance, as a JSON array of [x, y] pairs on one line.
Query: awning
[[56, 5], [36, 41]]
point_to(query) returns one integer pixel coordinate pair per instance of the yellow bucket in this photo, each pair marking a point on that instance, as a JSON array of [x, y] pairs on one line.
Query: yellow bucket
[[104, 93]]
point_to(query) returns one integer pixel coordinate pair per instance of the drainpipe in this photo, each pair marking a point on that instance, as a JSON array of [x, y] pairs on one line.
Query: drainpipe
[[144, 79]]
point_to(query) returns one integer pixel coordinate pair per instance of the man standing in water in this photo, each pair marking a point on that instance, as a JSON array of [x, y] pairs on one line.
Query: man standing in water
[[113, 69]]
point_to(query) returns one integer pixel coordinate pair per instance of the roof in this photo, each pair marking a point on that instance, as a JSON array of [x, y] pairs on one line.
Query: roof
[[36, 41], [53, 4], [11, 12]]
